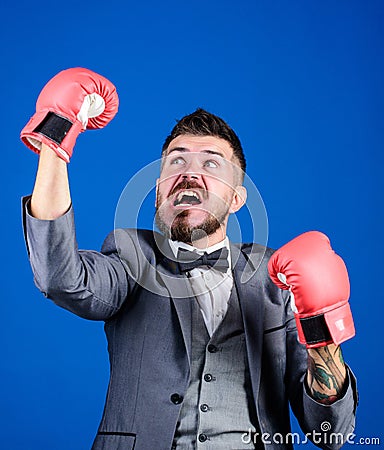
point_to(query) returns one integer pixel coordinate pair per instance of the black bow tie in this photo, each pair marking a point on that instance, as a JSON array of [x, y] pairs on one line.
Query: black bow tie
[[190, 260]]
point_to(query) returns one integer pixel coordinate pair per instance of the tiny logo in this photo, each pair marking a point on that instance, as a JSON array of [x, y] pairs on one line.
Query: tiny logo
[[325, 426]]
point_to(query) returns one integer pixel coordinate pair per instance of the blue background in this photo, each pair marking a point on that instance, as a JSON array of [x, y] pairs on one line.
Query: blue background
[[302, 84]]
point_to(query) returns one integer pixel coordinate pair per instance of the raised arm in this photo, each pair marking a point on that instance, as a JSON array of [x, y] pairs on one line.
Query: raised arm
[[71, 102], [51, 196], [90, 284]]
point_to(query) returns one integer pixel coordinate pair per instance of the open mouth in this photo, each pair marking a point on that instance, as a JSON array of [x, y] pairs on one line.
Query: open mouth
[[187, 198]]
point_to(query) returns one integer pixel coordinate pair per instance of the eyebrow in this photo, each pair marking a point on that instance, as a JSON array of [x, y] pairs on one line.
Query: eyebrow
[[184, 149]]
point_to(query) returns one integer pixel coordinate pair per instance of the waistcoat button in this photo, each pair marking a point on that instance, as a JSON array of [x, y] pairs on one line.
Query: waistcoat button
[[202, 437], [212, 348], [176, 399], [204, 407], [208, 377]]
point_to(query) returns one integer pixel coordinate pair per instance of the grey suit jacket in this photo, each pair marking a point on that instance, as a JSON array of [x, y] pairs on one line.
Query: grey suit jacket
[[135, 287]]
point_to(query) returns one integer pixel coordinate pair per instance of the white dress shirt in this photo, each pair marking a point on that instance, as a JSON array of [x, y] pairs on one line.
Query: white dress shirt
[[211, 287]]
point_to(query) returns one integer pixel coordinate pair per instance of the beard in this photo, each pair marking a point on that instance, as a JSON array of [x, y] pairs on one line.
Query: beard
[[181, 230]]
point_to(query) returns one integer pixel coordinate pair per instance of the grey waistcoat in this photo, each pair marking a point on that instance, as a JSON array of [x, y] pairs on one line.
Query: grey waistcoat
[[216, 409]]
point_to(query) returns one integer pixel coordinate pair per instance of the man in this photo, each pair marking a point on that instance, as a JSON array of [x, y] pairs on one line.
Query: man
[[201, 356]]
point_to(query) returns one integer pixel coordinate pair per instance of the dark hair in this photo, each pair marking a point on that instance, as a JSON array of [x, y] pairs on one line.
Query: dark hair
[[203, 123]]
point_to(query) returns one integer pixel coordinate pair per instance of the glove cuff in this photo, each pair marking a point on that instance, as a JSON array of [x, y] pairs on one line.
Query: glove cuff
[[332, 326], [57, 132]]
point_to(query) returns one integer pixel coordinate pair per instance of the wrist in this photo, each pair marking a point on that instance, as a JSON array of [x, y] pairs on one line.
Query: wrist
[[51, 196], [326, 379]]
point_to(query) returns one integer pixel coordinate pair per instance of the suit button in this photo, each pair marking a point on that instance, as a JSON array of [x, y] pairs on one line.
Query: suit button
[[212, 348], [204, 407], [202, 437], [176, 399], [208, 377]]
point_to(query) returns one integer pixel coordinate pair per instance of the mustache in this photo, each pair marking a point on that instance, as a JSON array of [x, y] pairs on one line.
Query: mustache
[[186, 184]]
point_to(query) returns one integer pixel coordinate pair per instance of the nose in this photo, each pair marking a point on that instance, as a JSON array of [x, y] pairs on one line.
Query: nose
[[190, 176], [193, 171]]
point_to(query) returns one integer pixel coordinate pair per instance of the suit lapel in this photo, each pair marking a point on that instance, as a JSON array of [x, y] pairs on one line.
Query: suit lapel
[[180, 292], [252, 308], [183, 305]]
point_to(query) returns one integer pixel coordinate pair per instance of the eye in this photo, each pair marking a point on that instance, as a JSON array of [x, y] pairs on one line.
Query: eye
[[178, 160], [211, 163]]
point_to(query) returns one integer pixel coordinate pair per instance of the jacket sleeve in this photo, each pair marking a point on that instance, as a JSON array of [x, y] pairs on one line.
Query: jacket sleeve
[[91, 284], [327, 426]]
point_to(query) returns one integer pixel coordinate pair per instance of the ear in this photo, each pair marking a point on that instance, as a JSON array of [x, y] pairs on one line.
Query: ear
[[239, 199]]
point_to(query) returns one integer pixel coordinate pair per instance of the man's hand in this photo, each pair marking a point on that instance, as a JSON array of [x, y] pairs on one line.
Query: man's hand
[[72, 101], [318, 281]]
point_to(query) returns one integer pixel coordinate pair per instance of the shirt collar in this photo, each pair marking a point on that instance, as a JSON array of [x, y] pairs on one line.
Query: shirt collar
[[175, 245]]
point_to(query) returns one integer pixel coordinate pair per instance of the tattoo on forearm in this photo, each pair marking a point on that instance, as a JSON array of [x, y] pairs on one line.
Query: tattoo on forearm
[[326, 373]]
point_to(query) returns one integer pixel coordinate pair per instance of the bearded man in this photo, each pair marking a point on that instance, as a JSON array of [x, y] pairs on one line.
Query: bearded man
[[200, 356]]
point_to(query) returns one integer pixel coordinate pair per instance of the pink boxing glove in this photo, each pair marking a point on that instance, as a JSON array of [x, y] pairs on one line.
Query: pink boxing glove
[[318, 281], [72, 101]]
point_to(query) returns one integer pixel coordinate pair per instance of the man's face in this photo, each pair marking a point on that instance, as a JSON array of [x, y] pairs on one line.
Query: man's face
[[197, 188]]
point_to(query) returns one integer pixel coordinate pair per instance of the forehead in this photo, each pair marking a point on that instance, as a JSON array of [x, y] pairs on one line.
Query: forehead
[[201, 144]]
